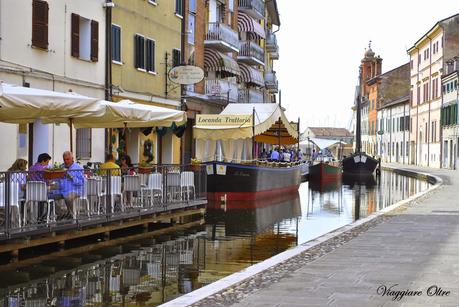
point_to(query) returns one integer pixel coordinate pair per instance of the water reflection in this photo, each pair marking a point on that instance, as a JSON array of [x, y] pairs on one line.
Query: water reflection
[[151, 270]]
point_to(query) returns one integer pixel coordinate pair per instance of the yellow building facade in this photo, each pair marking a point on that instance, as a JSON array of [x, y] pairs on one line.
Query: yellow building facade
[[146, 43]]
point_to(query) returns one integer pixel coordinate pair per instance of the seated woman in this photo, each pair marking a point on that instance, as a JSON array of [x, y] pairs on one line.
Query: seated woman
[[126, 166]]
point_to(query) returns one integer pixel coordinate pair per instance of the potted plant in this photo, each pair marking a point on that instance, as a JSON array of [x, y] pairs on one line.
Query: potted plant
[[195, 164], [54, 172], [145, 167]]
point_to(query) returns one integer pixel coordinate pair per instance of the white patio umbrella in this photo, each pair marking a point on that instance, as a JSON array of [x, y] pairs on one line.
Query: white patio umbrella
[[21, 105], [127, 113]]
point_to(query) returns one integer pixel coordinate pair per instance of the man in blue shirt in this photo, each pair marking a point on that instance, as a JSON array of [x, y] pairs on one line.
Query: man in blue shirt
[[71, 186], [275, 155]]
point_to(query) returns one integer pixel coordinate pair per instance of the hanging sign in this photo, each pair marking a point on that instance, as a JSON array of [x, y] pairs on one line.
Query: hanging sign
[[186, 74]]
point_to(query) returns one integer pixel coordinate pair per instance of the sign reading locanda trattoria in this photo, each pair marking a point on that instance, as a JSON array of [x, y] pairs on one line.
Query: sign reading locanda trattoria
[[224, 120]]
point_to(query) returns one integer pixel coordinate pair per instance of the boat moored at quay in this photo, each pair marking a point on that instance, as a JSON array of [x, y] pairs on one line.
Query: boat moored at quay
[[228, 143]]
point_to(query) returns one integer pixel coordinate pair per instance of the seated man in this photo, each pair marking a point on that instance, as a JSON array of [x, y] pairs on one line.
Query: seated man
[[109, 165], [72, 185]]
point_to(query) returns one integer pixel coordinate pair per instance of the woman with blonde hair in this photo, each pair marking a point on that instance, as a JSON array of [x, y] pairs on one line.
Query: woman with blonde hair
[[20, 165], [18, 176]]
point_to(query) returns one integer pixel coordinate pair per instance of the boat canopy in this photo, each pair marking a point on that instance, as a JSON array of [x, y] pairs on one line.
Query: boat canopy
[[322, 143], [236, 122]]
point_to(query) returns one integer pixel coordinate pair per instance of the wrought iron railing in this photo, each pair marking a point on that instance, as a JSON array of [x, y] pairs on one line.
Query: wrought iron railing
[[257, 6], [271, 81], [37, 201], [222, 90], [251, 96], [221, 32], [251, 49]]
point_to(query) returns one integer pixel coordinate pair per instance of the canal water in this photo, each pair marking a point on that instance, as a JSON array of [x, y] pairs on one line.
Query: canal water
[[153, 270]]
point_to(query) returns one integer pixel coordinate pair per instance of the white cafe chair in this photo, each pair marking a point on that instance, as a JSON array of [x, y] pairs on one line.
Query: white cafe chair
[[36, 191], [187, 184], [154, 186]]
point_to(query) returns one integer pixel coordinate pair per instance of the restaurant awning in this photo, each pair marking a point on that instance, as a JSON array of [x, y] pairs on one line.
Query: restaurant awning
[[20, 105], [235, 122], [217, 61], [251, 75], [245, 23], [127, 113]]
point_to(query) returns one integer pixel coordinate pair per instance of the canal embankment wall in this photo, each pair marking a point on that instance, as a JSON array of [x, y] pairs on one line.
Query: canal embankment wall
[[237, 286]]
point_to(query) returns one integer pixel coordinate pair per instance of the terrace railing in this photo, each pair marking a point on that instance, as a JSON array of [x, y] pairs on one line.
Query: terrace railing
[[36, 202]]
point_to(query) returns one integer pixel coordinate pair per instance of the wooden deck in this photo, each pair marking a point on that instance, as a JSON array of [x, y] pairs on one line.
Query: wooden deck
[[178, 213]]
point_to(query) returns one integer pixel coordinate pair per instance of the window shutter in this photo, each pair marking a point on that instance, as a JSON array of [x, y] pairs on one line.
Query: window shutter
[[136, 51], [176, 61], [40, 24], [75, 48], [94, 40]]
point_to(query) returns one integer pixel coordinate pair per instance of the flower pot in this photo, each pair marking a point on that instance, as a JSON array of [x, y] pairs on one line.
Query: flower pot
[[145, 170], [53, 174]]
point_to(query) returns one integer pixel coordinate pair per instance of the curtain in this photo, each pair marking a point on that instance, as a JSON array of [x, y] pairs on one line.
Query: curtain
[[210, 150], [200, 149], [228, 150], [238, 144]]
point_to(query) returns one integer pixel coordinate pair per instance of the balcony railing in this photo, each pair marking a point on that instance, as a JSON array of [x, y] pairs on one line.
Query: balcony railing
[[251, 53], [251, 96], [222, 91], [254, 8], [222, 37], [271, 82], [271, 46]]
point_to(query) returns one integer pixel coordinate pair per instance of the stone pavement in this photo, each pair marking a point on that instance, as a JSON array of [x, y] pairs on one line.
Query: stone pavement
[[413, 251], [408, 256]]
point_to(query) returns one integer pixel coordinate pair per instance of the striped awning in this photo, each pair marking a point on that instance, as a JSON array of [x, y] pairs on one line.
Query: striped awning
[[217, 61], [251, 75], [245, 23]]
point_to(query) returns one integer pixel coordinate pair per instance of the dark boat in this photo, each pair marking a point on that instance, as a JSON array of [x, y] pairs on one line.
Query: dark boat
[[231, 181], [324, 172], [359, 163]]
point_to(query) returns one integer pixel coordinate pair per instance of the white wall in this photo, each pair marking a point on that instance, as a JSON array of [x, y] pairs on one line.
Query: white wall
[[16, 36], [52, 69]]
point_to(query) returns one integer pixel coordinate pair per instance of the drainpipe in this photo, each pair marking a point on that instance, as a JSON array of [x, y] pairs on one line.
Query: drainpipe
[[108, 66], [441, 126], [403, 131], [429, 102], [417, 115], [390, 135]]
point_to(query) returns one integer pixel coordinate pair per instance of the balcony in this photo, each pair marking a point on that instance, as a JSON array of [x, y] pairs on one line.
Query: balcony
[[271, 46], [271, 82], [251, 53], [222, 38], [221, 91], [254, 8], [251, 96]]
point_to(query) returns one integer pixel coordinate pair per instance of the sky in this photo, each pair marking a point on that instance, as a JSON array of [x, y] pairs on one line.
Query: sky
[[321, 44]]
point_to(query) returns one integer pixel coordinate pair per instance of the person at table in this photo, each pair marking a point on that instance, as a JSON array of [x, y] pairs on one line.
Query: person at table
[[71, 186], [126, 165], [109, 165], [36, 170], [18, 175]]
